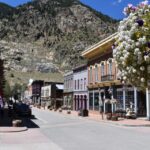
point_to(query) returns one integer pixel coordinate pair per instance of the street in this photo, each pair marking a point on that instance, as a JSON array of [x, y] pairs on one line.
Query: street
[[55, 131]]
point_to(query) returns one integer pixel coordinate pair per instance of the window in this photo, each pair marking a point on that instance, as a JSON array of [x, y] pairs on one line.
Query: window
[[81, 83], [78, 84], [120, 99], [84, 83], [96, 101], [47, 92], [91, 101], [75, 85], [110, 67], [90, 75], [102, 69], [129, 98], [96, 73]]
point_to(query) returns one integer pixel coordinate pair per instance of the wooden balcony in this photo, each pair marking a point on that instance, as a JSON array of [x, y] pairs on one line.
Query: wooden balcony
[[107, 78]]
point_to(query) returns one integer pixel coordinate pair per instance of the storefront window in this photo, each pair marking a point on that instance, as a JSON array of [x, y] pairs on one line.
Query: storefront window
[[96, 101], [120, 99], [91, 101], [129, 99]]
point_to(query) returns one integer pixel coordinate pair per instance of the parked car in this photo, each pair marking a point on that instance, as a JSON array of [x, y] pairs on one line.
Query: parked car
[[22, 109]]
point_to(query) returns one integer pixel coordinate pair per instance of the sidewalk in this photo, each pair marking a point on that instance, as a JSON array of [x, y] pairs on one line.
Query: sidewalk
[[121, 121], [6, 123], [12, 129]]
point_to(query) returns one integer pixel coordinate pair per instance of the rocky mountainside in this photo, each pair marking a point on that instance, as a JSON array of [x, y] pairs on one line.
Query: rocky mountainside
[[49, 35]]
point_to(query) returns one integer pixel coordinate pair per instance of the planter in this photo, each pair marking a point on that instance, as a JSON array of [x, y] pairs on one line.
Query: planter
[[38, 106], [16, 123], [84, 113], [68, 111], [60, 110], [114, 118], [79, 113], [109, 115]]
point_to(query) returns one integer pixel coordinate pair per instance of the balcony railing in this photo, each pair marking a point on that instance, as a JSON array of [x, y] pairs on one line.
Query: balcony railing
[[107, 78]]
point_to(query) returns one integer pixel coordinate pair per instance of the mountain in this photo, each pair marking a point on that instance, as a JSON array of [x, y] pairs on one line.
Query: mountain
[[49, 35], [5, 10]]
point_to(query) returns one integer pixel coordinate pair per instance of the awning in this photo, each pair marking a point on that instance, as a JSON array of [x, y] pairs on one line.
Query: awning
[[60, 86]]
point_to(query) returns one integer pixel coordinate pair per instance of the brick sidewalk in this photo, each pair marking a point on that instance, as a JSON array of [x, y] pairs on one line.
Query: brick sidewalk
[[121, 121]]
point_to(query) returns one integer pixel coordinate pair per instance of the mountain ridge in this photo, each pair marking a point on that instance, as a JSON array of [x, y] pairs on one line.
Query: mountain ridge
[[48, 36]]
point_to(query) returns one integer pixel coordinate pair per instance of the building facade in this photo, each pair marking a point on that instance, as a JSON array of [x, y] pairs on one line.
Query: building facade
[[68, 90], [80, 94], [36, 91], [52, 94], [104, 86]]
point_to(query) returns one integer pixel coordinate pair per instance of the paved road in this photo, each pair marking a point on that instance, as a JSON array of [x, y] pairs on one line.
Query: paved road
[[54, 131]]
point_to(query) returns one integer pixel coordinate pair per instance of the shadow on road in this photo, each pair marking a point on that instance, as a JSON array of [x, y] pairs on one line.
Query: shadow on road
[[7, 117]]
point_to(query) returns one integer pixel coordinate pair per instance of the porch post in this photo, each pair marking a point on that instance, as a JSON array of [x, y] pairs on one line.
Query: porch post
[[104, 103], [88, 100], [124, 98], [148, 103], [135, 100], [100, 100], [112, 105], [104, 107], [93, 99]]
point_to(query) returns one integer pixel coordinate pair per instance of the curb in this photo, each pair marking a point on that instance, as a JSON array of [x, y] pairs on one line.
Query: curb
[[12, 129], [124, 125]]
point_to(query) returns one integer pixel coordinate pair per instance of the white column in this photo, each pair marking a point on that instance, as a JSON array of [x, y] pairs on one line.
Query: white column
[[124, 98], [93, 99], [104, 107], [135, 100], [112, 107], [100, 101], [104, 103], [148, 103], [88, 101]]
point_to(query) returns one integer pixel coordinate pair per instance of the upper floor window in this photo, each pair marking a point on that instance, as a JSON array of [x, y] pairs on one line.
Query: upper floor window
[[102, 69], [90, 74], [78, 84], [96, 73], [75, 85], [84, 83], [110, 66], [81, 84]]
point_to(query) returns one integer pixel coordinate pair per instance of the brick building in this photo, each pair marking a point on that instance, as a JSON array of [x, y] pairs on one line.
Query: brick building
[[104, 85]]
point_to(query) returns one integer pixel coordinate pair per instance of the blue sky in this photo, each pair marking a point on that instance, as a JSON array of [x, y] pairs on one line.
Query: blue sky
[[112, 8]]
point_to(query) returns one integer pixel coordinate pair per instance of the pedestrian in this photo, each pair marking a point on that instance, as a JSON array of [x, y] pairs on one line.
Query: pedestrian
[[1, 111], [1, 107]]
